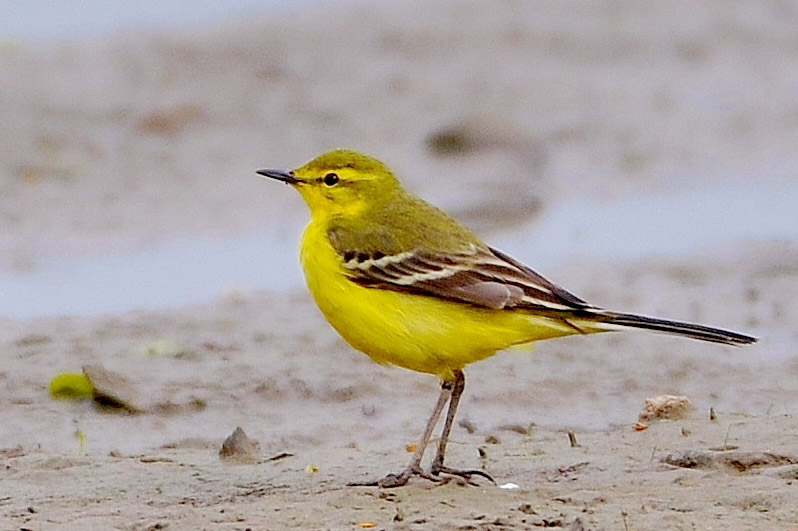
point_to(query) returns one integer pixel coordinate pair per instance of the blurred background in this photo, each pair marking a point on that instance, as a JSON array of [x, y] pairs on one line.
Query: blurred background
[[643, 155], [569, 131]]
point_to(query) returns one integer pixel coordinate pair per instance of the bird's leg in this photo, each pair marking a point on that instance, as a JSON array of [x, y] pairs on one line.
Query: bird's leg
[[438, 467], [414, 468]]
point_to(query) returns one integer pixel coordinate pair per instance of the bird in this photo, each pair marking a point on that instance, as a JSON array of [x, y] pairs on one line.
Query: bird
[[408, 285]]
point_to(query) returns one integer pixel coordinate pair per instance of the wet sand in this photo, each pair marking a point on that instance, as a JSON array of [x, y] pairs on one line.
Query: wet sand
[[145, 138]]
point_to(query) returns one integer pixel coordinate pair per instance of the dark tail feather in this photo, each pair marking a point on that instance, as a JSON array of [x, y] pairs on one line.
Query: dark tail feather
[[694, 331]]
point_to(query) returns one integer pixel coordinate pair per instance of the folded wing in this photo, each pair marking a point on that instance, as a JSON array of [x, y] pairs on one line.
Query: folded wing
[[480, 276]]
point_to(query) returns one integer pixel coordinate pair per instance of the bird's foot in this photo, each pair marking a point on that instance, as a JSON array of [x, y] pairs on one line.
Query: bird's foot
[[398, 480], [434, 475], [467, 475]]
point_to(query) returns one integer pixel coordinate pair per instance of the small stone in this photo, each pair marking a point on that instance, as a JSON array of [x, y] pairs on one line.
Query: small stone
[[239, 448], [665, 407], [112, 389]]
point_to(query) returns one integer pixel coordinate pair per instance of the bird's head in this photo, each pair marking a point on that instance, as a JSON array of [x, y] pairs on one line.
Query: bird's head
[[340, 182]]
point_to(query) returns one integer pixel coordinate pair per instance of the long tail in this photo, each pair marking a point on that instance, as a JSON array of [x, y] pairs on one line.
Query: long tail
[[694, 331]]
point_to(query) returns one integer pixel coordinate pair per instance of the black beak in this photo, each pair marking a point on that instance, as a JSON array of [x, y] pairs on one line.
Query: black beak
[[280, 175]]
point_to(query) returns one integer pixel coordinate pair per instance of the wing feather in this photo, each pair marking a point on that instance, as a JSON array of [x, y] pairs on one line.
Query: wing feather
[[477, 275]]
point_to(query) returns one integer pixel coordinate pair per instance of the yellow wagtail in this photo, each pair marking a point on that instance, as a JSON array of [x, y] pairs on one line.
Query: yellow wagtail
[[408, 285]]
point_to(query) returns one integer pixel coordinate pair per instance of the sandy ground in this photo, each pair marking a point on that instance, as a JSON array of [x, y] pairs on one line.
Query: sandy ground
[[143, 138]]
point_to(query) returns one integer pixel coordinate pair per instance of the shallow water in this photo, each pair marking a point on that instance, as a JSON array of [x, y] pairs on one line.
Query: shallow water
[[200, 270], [42, 20], [668, 225]]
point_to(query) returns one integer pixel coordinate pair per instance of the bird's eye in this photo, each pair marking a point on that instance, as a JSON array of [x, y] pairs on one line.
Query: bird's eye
[[331, 179]]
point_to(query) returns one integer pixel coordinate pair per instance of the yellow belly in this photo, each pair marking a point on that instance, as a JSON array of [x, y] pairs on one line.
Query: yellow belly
[[417, 332]]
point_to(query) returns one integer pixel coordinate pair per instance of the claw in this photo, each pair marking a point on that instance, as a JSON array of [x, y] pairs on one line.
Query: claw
[[399, 480], [388, 482], [465, 474]]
